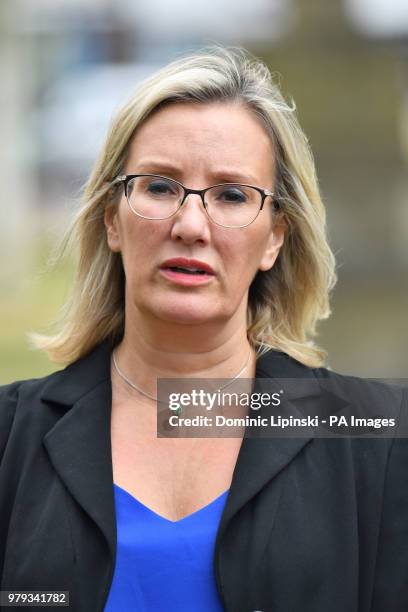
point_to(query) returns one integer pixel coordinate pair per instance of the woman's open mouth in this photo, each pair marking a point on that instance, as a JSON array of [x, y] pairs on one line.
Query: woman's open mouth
[[186, 276], [187, 272]]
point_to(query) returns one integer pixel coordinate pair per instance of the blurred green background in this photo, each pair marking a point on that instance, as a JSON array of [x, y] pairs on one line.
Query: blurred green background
[[351, 93]]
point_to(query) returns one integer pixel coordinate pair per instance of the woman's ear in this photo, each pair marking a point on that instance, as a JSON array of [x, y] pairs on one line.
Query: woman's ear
[[274, 243], [112, 228]]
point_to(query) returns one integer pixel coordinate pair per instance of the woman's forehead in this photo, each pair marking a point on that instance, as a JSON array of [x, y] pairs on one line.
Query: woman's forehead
[[225, 136]]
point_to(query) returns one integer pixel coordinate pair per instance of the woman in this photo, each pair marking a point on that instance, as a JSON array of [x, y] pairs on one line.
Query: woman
[[202, 253]]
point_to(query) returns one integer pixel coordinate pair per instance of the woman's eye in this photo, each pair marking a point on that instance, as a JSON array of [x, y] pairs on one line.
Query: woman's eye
[[160, 188], [234, 196]]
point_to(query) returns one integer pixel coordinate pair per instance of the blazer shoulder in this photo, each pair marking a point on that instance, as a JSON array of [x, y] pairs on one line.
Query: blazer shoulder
[[12, 392], [16, 397], [9, 395], [369, 394], [374, 398], [372, 388]]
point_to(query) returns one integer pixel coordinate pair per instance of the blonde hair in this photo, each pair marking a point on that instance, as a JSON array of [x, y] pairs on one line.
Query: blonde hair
[[286, 302]]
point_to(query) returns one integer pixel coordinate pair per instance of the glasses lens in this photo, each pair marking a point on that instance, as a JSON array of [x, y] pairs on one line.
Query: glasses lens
[[153, 197], [233, 205]]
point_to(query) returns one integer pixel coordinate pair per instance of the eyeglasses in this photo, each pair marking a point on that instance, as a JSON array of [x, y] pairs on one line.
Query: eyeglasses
[[228, 204]]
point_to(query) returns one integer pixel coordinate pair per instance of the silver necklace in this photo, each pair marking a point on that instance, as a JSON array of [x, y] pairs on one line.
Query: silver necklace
[[156, 399]]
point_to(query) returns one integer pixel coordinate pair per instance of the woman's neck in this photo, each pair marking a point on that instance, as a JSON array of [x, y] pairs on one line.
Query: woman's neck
[[158, 349]]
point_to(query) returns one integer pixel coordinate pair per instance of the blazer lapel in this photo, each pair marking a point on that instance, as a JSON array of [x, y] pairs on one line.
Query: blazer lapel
[[261, 458], [79, 444]]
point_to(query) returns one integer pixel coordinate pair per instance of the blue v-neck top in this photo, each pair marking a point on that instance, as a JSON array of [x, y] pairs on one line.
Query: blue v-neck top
[[163, 565]]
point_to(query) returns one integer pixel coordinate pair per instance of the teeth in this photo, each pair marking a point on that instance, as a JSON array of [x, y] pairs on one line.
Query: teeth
[[188, 270]]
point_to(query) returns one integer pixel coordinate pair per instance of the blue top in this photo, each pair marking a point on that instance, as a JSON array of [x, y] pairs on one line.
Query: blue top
[[163, 565]]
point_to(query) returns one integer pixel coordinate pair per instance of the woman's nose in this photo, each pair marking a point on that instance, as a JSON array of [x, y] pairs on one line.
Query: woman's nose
[[191, 222]]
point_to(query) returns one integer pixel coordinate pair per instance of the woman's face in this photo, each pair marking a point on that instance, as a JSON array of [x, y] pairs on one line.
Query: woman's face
[[199, 145]]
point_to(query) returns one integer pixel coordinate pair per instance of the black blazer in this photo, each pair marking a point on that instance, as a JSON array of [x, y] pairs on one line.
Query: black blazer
[[310, 524]]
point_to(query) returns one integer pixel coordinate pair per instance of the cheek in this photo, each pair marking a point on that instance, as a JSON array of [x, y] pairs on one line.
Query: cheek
[[142, 237], [248, 248], [241, 258], [260, 241]]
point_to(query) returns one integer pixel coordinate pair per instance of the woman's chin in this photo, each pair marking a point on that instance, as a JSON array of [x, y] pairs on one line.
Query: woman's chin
[[185, 316], [188, 312]]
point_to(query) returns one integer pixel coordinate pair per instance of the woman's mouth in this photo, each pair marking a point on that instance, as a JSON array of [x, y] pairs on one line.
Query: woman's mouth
[[186, 276], [187, 272]]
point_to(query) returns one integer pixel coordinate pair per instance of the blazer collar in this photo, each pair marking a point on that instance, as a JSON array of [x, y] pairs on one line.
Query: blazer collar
[[79, 444], [67, 386]]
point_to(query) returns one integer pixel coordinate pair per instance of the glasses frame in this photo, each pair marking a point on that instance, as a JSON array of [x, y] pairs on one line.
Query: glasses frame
[[126, 178]]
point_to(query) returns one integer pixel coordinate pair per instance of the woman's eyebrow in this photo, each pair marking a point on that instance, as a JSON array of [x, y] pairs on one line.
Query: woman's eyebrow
[[220, 175], [157, 167], [233, 176]]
